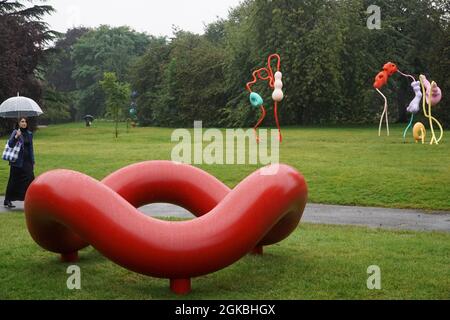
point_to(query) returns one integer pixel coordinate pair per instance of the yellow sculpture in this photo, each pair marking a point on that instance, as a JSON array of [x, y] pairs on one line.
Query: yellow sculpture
[[432, 96], [419, 132]]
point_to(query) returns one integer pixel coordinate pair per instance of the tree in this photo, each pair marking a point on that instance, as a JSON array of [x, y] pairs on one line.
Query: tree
[[146, 78], [181, 82], [59, 64], [193, 82], [117, 97], [59, 90], [23, 36], [101, 50], [57, 106]]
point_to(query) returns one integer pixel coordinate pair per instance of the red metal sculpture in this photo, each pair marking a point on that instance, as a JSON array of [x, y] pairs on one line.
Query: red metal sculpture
[[66, 211]]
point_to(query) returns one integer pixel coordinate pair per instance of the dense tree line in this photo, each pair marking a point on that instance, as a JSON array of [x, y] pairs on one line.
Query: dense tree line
[[329, 60], [80, 58]]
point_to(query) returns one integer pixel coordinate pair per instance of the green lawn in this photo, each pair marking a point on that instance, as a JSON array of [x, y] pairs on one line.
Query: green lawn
[[316, 262], [348, 166]]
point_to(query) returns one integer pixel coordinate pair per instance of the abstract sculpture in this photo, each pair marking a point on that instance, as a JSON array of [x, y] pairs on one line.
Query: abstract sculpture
[[275, 83], [428, 93], [66, 211]]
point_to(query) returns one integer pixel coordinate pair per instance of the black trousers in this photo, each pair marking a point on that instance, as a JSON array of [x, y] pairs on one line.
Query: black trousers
[[19, 181]]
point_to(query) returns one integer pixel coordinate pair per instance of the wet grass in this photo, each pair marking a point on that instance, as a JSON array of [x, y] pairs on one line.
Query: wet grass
[[315, 262], [346, 166]]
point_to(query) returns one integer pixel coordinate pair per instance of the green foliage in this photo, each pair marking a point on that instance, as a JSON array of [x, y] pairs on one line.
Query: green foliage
[[56, 106], [23, 36], [117, 98], [329, 61], [180, 82], [101, 50], [59, 65], [60, 92], [146, 77]]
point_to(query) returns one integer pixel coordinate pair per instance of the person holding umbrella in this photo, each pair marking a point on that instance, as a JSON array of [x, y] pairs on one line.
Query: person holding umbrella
[[21, 173], [89, 119]]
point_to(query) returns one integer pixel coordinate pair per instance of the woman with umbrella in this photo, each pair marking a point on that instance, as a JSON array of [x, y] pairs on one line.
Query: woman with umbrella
[[22, 170], [89, 119], [21, 173]]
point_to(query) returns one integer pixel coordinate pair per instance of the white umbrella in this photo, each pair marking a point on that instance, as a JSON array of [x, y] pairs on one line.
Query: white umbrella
[[17, 107]]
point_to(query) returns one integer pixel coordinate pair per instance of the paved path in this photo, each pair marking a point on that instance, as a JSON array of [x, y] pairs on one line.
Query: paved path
[[399, 219]]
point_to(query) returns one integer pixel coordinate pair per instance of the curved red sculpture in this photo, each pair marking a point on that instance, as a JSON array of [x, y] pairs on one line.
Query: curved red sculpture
[[66, 211]]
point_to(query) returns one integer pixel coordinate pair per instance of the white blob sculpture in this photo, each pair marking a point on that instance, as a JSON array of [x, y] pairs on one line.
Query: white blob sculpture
[[278, 94]]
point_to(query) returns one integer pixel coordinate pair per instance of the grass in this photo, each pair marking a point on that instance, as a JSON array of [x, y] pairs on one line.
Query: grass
[[316, 262], [346, 166]]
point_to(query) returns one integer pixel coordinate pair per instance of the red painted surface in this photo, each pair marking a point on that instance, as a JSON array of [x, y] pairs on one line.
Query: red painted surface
[[390, 68], [381, 80], [66, 211], [180, 286], [258, 251], [69, 257]]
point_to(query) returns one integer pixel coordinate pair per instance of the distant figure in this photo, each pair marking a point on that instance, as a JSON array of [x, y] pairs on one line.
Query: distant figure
[[89, 119], [21, 173]]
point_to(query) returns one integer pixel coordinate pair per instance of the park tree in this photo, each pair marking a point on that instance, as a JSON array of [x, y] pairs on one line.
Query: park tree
[[57, 106], [192, 84], [23, 37], [146, 77], [309, 44], [117, 96], [59, 90], [104, 49], [59, 65], [182, 81]]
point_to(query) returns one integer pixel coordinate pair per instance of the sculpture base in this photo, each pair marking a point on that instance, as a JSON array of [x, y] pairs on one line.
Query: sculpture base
[[180, 286], [258, 251], [69, 257]]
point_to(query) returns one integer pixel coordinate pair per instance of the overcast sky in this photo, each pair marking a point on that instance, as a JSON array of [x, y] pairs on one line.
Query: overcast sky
[[153, 17]]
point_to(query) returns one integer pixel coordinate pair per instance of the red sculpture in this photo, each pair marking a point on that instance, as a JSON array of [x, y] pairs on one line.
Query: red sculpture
[[66, 211]]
